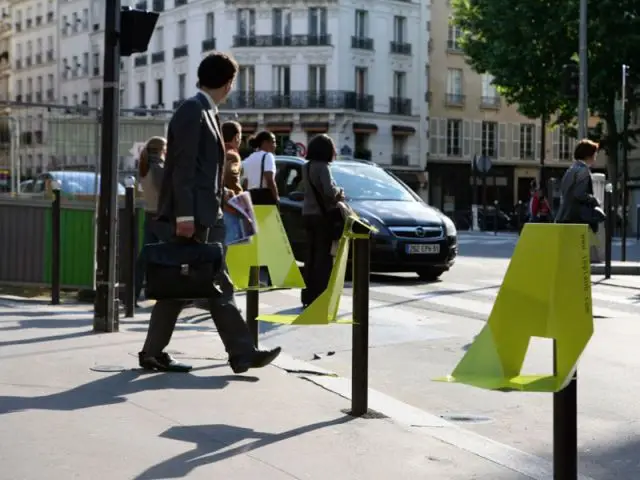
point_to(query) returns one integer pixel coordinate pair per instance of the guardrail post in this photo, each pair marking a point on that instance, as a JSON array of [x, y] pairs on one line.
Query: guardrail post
[[565, 428], [519, 216], [360, 329], [608, 229], [130, 247], [253, 302], [56, 208], [495, 217]]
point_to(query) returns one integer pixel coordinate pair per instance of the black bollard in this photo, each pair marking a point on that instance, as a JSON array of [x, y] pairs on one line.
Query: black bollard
[[565, 429], [56, 259], [131, 248], [253, 303], [608, 230], [360, 329], [495, 217], [637, 223], [519, 217]]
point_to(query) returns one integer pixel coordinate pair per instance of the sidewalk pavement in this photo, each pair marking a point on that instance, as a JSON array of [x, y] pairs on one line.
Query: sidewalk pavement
[[72, 405]]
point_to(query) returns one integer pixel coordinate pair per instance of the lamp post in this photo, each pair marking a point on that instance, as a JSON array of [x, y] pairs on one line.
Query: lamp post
[[583, 90]]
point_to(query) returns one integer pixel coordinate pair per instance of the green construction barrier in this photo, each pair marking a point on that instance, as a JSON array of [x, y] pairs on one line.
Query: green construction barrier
[[324, 310], [546, 293], [269, 248]]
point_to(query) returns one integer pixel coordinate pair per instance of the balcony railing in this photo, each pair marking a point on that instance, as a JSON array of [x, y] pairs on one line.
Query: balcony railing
[[400, 159], [158, 5], [490, 102], [140, 61], [181, 51], [141, 5], [208, 44], [400, 48], [454, 99], [453, 46], [399, 106], [156, 57], [362, 43], [281, 40], [337, 100], [180, 3]]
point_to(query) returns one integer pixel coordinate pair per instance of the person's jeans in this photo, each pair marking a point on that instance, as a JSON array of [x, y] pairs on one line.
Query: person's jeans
[[150, 235]]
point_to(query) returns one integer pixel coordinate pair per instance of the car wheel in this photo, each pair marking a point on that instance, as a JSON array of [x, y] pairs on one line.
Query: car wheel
[[430, 274]]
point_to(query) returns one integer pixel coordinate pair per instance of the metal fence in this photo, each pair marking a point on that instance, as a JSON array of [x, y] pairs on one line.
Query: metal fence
[[37, 137]]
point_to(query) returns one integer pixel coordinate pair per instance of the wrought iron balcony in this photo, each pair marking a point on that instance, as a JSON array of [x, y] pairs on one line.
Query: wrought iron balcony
[[158, 5], [181, 51], [208, 44], [157, 57], [361, 43], [281, 40], [400, 48], [454, 99], [490, 102], [140, 61], [299, 100], [399, 106], [141, 5], [400, 159]]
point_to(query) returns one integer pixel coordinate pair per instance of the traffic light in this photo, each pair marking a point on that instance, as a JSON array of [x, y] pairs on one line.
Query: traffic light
[[570, 80], [136, 28]]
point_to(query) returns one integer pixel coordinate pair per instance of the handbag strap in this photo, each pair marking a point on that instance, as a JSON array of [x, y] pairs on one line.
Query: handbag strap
[[316, 193], [262, 168]]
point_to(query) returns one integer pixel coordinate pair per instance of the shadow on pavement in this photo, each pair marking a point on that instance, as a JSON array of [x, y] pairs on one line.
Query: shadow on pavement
[[113, 389], [208, 440]]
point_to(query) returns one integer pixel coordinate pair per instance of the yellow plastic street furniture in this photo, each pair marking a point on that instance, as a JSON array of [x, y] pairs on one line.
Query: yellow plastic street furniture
[[324, 310], [545, 293], [270, 247]]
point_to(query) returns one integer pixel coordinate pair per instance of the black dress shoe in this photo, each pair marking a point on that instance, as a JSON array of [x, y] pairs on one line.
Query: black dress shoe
[[161, 363], [256, 359]]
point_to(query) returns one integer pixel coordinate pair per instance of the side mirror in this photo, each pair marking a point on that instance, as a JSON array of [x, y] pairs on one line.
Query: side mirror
[[296, 196]]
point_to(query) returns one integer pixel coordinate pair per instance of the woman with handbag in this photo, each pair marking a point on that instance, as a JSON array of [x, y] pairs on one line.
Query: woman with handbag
[[150, 173], [321, 214], [259, 170]]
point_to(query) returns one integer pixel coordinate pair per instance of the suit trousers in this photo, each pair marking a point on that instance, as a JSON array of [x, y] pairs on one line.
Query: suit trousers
[[226, 316]]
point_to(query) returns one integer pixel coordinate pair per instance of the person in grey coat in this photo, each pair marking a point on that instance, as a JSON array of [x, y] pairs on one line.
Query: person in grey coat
[[578, 204]]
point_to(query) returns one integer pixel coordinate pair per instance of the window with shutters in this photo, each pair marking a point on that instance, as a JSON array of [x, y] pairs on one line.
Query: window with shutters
[[564, 146], [489, 139], [454, 137], [527, 141]]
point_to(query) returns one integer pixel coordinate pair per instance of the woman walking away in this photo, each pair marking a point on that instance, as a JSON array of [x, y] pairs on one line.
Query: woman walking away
[[322, 217], [260, 169], [150, 173], [232, 134]]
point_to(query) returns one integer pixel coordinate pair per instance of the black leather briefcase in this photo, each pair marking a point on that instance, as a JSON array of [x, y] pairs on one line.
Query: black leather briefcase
[[182, 270]]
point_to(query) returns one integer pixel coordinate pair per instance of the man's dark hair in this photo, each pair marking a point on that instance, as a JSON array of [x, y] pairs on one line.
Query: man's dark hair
[[585, 149], [260, 139], [321, 148], [229, 130], [216, 70]]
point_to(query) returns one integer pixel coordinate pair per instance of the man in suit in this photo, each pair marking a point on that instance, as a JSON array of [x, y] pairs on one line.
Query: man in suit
[[576, 187], [191, 197]]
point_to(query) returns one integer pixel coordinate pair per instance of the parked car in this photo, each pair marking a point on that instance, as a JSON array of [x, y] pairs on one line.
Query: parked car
[[27, 186], [464, 220], [72, 183], [412, 236]]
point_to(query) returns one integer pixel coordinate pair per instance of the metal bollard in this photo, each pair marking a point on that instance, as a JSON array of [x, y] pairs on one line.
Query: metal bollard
[[637, 223], [495, 217], [56, 259], [608, 226], [360, 330], [519, 217], [253, 301], [131, 244], [565, 428]]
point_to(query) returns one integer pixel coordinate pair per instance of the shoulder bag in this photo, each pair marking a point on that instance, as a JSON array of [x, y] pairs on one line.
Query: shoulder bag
[[262, 195], [334, 216]]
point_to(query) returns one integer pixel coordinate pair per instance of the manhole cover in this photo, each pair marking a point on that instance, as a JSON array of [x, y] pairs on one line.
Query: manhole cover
[[108, 368], [465, 418]]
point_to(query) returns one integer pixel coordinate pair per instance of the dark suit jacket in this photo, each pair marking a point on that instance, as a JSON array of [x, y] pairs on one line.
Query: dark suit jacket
[[192, 186], [576, 189]]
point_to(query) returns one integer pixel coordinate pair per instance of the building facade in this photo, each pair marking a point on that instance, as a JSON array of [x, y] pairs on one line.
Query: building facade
[[469, 119], [355, 71]]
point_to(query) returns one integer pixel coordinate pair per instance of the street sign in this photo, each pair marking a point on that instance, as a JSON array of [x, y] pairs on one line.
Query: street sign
[[346, 150], [483, 164], [290, 148]]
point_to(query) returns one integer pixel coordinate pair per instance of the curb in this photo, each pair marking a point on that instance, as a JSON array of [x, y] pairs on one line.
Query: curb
[[598, 269]]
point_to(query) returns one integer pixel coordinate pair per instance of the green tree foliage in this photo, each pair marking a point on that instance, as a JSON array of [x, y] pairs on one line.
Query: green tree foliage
[[524, 44]]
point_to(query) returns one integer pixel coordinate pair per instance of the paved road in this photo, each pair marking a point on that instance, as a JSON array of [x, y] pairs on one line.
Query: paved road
[[420, 331]]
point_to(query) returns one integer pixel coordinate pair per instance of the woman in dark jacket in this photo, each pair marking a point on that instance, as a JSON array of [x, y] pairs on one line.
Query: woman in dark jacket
[[319, 212]]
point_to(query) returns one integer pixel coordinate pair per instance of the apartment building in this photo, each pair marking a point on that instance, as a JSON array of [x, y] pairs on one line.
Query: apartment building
[[468, 119], [355, 70], [5, 92]]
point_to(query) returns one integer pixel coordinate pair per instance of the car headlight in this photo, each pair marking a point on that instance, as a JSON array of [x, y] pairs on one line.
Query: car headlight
[[376, 224], [449, 226]]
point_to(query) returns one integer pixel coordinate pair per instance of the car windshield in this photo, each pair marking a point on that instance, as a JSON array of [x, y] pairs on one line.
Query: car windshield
[[81, 183], [366, 182]]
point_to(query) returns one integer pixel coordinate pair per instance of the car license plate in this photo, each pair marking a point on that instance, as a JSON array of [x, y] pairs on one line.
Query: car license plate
[[423, 249]]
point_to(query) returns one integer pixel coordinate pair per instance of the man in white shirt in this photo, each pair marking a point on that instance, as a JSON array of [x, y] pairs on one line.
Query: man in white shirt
[[259, 168]]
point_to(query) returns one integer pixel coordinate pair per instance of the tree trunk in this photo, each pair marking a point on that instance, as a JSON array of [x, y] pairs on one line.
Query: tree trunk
[[543, 152]]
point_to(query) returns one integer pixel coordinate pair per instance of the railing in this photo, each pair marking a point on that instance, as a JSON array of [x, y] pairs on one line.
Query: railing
[[281, 40], [208, 44], [299, 100], [140, 61], [399, 106], [361, 43], [400, 48], [156, 57], [181, 51], [454, 99], [490, 102]]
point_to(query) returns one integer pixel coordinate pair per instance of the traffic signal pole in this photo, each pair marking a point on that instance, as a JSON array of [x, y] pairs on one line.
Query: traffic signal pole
[[106, 301]]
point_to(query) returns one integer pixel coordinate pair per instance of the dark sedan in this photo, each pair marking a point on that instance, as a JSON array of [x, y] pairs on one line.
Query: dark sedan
[[412, 236]]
